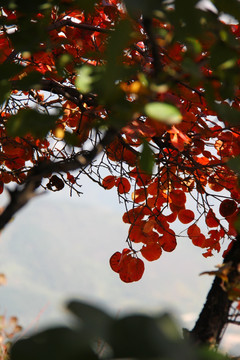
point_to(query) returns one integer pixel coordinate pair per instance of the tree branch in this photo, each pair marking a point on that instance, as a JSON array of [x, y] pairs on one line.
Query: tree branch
[[157, 65], [69, 93], [69, 22], [22, 195], [214, 315]]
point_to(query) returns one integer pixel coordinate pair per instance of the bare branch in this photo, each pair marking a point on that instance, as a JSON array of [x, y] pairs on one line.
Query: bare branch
[[69, 22], [214, 316], [21, 196], [69, 93]]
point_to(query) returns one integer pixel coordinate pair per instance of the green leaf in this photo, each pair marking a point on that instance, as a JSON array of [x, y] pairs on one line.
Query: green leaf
[[95, 322], [142, 7], [193, 46], [146, 158], [62, 62], [222, 55], [237, 224], [87, 5], [147, 339], [163, 112], [26, 5], [30, 81], [118, 41], [234, 164], [71, 139], [231, 7], [59, 343], [191, 68], [30, 121], [115, 70], [167, 324], [30, 35], [85, 79], [5, 90], [227, 113], [8, 71]]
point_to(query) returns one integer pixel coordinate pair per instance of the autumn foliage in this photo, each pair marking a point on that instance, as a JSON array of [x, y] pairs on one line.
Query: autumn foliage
[[160, 86]]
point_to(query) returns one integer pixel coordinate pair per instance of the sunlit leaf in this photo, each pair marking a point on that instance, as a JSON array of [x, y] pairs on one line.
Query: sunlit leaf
[[84, 79], [163, 112]]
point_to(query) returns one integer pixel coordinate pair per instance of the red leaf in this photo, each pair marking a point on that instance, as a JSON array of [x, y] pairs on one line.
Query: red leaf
[[132, 269], [178, 198], [123, 185], [135, 233], [186, 216], [133, 215], [199, 241], [108, 182], [211, 220], [208, 253], [230, 245], [115, 260], [171, 217], [227, 207], [168, 241], [151, 251], [193, 231], [136, 268]]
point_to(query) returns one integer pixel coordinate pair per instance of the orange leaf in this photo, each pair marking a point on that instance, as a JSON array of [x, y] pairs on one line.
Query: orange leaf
[[71, 178], [139, 195], [202, 160], [178, 139], [149, 226]]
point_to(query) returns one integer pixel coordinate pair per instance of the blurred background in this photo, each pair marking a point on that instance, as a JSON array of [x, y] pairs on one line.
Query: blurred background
[[58, 248]]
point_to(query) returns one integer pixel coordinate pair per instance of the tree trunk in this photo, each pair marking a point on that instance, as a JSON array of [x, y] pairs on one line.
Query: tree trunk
[[214, 315]]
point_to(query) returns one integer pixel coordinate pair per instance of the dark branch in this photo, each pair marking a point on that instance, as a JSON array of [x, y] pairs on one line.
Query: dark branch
[[157, 65], [22, 195], [69, 22], [69, 93], [215, 313]]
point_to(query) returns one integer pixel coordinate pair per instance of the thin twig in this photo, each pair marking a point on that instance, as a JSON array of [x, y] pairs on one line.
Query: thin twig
[[69, 22]]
